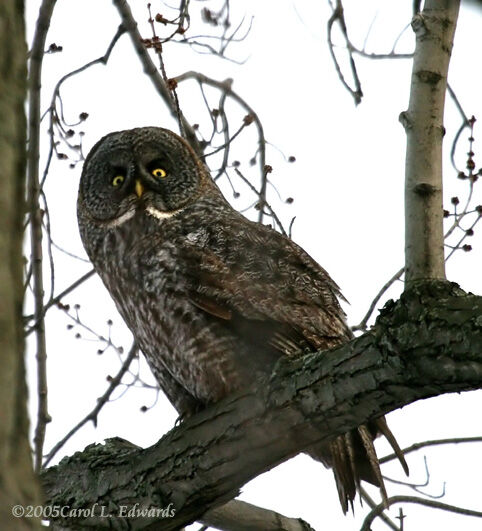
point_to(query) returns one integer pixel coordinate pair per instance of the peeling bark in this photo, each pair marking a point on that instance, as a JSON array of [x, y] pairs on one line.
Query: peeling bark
[[427, 343]]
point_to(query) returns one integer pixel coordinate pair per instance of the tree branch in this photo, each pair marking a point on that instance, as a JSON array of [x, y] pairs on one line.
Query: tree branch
[[419, 501], [226, 88], [152, 72], [18, 485], [101, 402], [426, 344], [435, 442], [33, 154], [55, 300], [339, 16], [372, 504], [237, 515], [434, 28]]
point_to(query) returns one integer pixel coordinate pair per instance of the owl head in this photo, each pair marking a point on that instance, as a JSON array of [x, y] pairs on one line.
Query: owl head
[[148, 168]]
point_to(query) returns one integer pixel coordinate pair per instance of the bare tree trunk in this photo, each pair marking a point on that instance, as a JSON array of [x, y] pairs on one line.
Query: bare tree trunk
[[18, 485], [434, 28]]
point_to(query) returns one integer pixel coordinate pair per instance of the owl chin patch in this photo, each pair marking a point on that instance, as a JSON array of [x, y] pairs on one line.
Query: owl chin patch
[[161, 215], [121, 219]]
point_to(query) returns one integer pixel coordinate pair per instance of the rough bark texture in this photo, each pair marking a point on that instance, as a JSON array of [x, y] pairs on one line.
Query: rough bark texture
[[17, 483], [434, 29], [426, 344]]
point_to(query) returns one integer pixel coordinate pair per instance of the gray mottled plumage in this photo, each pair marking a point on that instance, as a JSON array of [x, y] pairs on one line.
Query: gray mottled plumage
[[213, 299]]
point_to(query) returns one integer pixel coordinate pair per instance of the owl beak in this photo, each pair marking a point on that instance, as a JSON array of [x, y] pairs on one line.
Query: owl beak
[[139, 188]]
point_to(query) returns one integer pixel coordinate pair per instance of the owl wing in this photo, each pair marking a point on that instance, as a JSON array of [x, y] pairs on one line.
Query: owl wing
[[271, 293], [265, 287]]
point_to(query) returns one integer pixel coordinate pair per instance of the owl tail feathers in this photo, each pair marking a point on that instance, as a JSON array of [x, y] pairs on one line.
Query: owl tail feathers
[[383, 428], [353, 458]]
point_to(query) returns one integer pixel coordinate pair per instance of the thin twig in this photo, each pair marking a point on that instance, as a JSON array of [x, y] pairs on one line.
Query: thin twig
[[372, 504], [363, 323], [267, 205], [465, 123], [47, 227], [152, 72], [55, 117], [225, 131], [417, 486], [434, 442], [101, 401], [34, 83], [338, 16], [226, 144], [55, 300], [157, 46], [377, 511], [389, 55], [193, 41], [226, 87], [458, 245]]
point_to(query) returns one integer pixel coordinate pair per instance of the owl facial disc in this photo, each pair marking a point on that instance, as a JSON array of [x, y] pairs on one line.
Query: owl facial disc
[[149, 170]]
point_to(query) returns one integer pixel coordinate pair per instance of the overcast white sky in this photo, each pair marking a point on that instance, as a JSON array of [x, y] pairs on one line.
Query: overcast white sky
[[347, 185]]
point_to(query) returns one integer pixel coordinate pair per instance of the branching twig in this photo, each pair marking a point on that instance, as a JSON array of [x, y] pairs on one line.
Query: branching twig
[[272, 213], [419, 501], [101, 401], [57, 119], [363, 323], [35, 74], [434, 442], [465, 123], [55, 300], [416, 486], [152, 72], [372, 504], [338, 16], [226, 88]]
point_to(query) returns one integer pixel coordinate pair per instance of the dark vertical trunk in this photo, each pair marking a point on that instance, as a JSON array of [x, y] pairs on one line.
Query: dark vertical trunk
[[18, 485]]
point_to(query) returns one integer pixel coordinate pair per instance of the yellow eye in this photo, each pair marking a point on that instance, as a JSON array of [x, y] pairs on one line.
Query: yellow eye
[[159, 173], [118, 180]]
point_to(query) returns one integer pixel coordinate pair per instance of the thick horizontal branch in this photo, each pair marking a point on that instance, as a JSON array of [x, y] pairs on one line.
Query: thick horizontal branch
[[428, 343]]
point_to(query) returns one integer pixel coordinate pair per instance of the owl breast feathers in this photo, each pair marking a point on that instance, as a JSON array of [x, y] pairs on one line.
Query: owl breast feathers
[[213, 299]]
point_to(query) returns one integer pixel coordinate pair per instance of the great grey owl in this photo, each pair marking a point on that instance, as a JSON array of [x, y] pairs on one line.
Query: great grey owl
[[214, 300]]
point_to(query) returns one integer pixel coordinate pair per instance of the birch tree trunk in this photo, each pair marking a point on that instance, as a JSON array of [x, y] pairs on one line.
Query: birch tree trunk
[[18, 485], [434, 28]]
